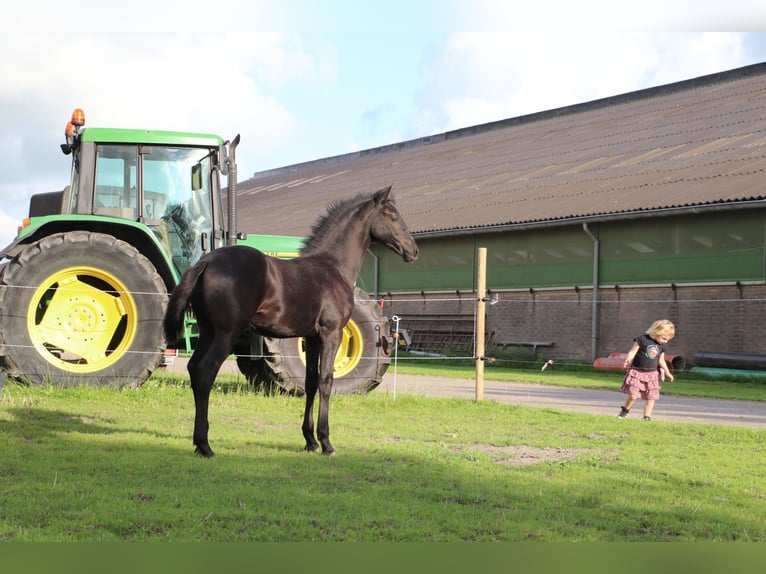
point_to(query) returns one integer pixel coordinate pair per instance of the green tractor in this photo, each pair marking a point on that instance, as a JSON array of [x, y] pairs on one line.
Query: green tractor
[[84, 285]]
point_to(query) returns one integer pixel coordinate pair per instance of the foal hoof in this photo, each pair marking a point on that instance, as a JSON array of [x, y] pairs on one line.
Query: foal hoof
[[328, 450], [204, 451], [311, 447]]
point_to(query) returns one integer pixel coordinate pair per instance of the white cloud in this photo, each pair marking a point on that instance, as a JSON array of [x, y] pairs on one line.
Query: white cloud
[[224, 84], [8, 227], [192, 16], [555, 16], [482, 77]]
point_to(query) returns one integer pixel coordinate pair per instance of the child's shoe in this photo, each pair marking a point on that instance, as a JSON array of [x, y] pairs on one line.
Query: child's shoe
[[647, 418], [623, 413]]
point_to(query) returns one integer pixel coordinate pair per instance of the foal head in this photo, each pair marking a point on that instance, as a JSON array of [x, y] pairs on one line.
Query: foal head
[[388, 227]]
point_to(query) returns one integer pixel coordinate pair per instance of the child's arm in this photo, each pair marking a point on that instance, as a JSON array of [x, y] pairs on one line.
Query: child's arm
[[664, 366], [631, 354]]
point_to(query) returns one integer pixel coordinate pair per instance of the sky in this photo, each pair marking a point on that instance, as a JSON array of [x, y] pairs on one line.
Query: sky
[[301, 80]]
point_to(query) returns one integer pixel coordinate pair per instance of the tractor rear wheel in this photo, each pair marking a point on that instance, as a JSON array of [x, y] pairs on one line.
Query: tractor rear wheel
[[81, 308], [361, 361]]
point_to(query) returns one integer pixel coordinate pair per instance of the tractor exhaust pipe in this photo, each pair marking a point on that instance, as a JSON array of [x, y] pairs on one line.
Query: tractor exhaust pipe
[[231, 169]]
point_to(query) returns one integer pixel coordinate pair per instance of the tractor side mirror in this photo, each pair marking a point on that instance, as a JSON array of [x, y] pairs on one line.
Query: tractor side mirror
[[196, 177]]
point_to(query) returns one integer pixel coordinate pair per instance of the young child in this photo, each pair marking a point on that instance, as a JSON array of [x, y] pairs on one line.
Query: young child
[[645, 362]]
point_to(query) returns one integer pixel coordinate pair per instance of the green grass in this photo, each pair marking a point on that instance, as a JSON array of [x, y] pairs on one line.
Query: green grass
[[86, 464]]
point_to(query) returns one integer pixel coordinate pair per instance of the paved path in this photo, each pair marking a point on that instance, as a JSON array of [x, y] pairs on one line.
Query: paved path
[[669, 408]]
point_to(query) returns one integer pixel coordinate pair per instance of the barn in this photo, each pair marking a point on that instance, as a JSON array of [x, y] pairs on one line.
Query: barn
[[598, 218]]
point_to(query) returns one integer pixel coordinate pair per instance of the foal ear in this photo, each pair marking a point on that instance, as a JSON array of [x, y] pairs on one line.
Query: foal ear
[[382, 196]]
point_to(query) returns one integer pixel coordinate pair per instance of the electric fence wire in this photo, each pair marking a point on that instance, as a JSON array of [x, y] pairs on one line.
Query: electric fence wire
[[395, 320]]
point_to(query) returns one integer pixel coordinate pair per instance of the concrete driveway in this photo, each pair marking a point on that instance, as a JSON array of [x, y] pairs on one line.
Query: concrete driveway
[[603, 402]]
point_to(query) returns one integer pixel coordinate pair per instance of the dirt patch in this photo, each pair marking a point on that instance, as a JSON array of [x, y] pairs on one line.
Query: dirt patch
[[522, 455]]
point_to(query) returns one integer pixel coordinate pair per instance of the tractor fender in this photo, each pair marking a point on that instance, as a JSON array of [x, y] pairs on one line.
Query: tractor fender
[[133, 232]]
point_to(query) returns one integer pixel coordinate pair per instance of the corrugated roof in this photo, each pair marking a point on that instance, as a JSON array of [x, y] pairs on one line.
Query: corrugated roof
[[693, 144]]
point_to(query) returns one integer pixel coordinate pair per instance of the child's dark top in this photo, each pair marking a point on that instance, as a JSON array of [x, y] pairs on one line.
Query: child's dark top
[[648, 354]]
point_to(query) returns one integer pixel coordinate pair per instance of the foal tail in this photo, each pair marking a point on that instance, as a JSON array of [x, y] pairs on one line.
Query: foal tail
[[179, 299]]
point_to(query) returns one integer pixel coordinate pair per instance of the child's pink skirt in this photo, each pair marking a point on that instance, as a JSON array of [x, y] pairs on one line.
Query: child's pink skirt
[[644, 384]]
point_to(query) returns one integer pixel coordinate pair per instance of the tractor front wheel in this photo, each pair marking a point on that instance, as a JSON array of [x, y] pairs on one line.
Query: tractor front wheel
[[81, 308]]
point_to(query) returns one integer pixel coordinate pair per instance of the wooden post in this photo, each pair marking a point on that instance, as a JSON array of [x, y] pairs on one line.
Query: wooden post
[[481, 282]]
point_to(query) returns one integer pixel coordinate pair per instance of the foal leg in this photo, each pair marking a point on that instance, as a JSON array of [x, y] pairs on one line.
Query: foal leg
[[323, 420], [310, 384], [203, 367], [326, 368]]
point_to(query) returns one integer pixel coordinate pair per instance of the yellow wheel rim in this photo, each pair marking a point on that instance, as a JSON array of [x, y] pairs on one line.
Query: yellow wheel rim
[[349, 353], [82, 319]]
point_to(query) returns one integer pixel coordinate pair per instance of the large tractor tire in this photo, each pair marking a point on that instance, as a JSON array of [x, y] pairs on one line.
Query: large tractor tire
[[361, 361], [81, 308]]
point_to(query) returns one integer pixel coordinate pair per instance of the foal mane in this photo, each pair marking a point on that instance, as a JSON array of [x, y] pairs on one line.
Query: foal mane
[[337, 216]]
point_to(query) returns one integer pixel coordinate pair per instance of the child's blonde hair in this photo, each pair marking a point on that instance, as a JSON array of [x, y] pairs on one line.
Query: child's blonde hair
[[661, 328]]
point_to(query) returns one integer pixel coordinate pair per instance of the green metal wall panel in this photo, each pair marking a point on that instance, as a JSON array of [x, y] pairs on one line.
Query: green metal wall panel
[[556, 257], [725, 246], [444, 264]]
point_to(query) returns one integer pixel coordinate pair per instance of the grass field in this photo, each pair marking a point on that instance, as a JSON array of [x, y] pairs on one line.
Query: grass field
[[89, 464]]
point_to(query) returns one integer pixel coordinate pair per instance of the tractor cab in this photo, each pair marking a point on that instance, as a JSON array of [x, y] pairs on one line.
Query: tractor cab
[[168, 181]]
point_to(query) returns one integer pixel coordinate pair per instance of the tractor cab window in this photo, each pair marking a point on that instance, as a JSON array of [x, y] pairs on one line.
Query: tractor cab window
[[177, 200], [167, 188], [115, 193]]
